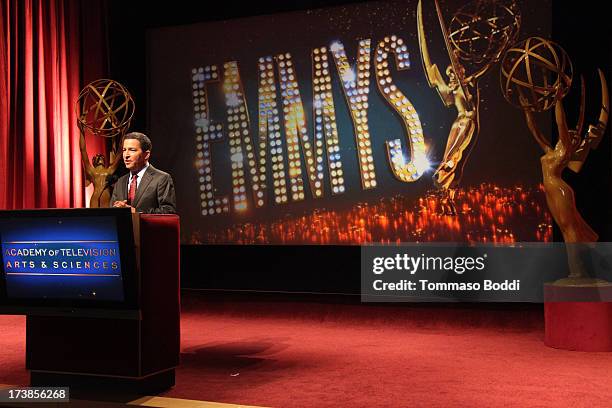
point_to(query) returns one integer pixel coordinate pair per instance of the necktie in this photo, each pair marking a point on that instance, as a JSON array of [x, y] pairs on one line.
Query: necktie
[[132, 192]]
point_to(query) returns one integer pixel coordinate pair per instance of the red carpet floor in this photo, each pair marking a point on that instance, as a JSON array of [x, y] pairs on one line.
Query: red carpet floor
[[301, 354]]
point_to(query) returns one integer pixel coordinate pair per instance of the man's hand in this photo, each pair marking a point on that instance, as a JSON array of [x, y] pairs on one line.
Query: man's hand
[[123, 204]]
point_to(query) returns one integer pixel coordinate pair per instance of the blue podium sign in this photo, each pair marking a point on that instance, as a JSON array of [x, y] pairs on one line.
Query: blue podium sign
[[65, 255]]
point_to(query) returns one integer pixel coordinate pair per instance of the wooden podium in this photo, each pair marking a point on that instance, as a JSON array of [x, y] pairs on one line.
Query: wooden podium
[[132, 354]]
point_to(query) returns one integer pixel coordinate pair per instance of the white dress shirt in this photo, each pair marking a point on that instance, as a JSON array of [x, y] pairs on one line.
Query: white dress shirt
[[139, 179]]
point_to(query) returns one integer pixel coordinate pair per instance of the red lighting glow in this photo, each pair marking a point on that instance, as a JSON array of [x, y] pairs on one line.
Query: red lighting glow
[[486, 213]]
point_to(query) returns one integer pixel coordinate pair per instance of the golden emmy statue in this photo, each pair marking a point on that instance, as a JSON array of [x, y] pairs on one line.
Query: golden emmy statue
[[479, 33], [537, 75], [105, 108]]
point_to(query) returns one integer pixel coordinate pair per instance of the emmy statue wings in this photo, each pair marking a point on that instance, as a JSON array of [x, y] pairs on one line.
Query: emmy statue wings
[[155, 194]]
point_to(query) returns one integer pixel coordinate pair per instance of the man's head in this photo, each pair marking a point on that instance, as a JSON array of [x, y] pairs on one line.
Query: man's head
[[136, 151]]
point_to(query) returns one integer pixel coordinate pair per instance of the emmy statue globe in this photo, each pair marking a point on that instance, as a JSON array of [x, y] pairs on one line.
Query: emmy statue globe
[[536, 75], [478, 35], [105, 108]]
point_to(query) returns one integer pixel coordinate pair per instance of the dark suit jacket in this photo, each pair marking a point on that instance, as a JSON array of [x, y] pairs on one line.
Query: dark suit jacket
[[155, 193]]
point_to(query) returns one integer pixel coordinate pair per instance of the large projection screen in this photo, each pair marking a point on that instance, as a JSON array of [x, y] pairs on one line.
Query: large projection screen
[[303, 128]]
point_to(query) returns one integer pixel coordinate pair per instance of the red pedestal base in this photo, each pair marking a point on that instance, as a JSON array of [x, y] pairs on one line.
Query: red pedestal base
[[578, 325]]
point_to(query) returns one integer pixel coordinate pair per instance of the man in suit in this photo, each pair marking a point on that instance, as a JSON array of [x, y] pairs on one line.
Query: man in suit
[[144, 189]]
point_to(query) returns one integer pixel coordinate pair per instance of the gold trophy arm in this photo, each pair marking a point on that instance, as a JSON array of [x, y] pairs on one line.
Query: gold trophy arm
[[531, 124], [454, 62], [432, 73], [115, 156], [595, 132], [435, 79], [605, 101], [85, 156], [580, 123], [564, 136], [115, 164], [535, 131]]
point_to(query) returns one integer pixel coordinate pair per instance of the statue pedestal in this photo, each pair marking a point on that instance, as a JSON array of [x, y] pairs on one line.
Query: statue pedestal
[[578, 318]]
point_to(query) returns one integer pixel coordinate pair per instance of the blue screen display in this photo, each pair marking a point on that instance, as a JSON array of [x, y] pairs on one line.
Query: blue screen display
[[73, 258]]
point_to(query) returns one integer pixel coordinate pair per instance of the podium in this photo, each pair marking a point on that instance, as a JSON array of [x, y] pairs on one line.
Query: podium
[[578, 318], [132, 349]]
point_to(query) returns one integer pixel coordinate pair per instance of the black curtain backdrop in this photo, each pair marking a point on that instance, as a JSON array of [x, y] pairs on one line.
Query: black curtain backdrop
[[582, 29]]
